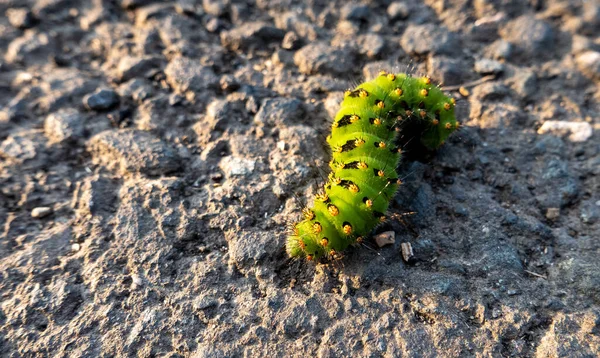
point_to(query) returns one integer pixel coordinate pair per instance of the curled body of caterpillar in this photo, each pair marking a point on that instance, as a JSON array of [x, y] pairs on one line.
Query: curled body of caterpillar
[[363, 175]]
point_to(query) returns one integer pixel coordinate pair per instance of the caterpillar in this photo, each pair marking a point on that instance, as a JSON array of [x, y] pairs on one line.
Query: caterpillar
[[365, 153]]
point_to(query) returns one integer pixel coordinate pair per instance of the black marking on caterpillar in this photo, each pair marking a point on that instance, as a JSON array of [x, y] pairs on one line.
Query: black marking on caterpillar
[[363, 176]]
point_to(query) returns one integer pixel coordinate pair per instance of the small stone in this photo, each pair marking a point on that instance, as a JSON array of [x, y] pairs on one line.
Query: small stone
[[21, 146], [101, 100], [133, 151], [552, 213], [500, 50], [355, 12], [188, 7], [234, 166], [31, 48], [134, 67], [423, 39], [589, 64], [280, 112], [20, 18], [532, 37], [75, 247], [398, 11], [385, 238], [251, 36], [589, 212], [204, 302], [41, 212], [138, 89], [215, 7], [215, 25], [222, 114], [248, 247], [524, 82], [576, 131], [245, 222], [229, 83], [291, 41], [319, 57], [185, 74], [371, 45], [64, 125], [513, 292], [136, 280], [490, 91], [488, 67], [283, 57], [132, 4], [447, 70]]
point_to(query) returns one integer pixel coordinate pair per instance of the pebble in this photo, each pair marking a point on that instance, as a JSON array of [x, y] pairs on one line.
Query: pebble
[[20, 18], [576, 131], [41, 212], [589, 212], [291, 41], [371, 45], [500, 50], [552, 213], [283, 57], [215, 7], [132, 4], [101, 100], [185, 74], [135, 67], [524, 82], [21, 146], [31, 48], [423, 39], [229, 83], [247, 248], [64, 125], [319, 57], [532, 36], [215, 25], [487, 67], [385, 238], [280, 112], [133, 151], [355, 12], [251, 36], [490, 91], [204, 302], [138, 89], [589, 64], [136, 280], [398, 11], [234, 166], [222, 114], [446, 70]]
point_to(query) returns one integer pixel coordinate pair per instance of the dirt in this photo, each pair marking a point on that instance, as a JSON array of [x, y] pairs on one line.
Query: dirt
[[152, 154]]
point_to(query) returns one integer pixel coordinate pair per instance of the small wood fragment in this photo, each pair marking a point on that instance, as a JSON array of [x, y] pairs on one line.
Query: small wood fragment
[[407, 251]]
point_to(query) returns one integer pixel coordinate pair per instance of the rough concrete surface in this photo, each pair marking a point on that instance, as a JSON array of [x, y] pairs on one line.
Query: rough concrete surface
[[153, 152]]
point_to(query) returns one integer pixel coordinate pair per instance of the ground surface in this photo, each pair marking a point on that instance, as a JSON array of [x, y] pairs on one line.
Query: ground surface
[[150, 153]]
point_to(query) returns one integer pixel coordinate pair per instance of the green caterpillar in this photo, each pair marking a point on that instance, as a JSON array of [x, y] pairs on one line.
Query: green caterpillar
[[363, 176]]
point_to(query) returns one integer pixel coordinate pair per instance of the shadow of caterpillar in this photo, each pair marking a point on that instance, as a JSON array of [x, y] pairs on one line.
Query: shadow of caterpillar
[[363, 179]]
